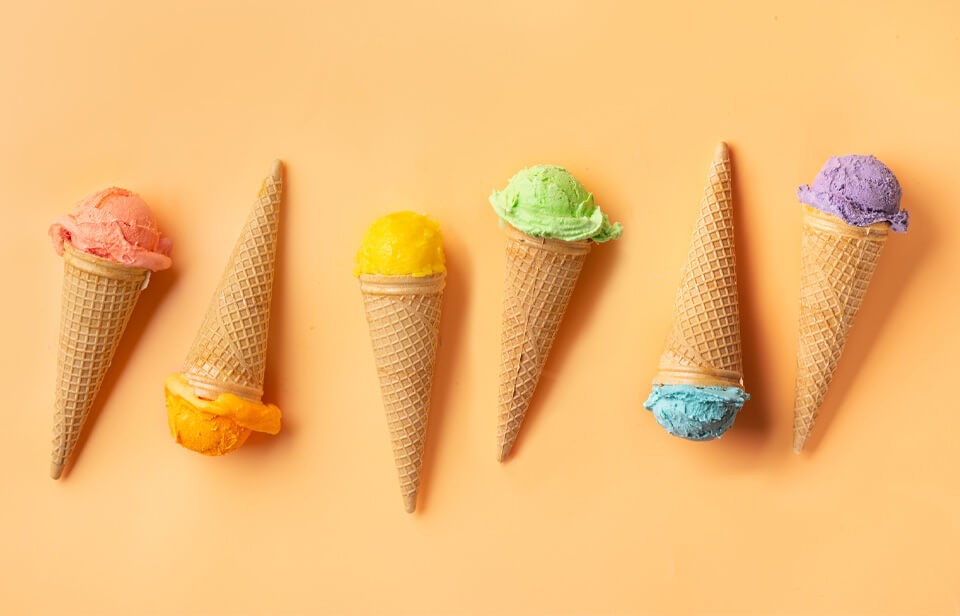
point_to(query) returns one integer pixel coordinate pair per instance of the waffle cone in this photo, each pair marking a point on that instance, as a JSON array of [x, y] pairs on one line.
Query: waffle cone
[[836, 264], [540, 277], [229, 352], [98, 299], [703, 347], [403, 313]]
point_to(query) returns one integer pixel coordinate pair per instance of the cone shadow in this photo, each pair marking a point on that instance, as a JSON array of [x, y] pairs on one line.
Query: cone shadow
[[902, 255], [597, 269], [274, 389], [453, 320], [150, 299], [752, 426]]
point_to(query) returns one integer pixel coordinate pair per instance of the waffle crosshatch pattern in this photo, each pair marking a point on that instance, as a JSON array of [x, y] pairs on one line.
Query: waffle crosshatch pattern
[[837, 264], [98, 298], [541, 275], [429, 106], [704, 343], [403, 313], [229, 352]]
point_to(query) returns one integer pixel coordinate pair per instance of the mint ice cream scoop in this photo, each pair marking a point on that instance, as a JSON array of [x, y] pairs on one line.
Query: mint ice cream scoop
[[860, 190], [696, 413], [547, 201]]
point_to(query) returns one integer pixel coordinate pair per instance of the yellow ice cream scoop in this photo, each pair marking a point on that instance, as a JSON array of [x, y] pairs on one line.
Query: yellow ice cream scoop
[[402, 244], [214, 427]]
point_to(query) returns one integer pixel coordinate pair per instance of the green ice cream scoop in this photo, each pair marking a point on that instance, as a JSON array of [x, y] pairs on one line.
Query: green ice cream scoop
[[547, 201]]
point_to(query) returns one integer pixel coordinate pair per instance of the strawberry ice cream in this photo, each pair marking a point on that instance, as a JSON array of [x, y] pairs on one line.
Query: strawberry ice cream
[[114, 224]]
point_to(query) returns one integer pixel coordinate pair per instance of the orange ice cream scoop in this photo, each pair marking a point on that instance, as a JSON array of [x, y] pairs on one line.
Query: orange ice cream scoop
[[216, 399], [214, 427]]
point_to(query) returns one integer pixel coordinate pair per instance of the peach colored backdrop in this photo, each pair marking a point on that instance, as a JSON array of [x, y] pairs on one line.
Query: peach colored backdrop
[[430, 105]]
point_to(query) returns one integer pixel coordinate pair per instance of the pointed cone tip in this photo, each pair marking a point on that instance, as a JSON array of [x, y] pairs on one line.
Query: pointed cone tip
[[722, 153], [410, 502], [277, 170], [55, 470]]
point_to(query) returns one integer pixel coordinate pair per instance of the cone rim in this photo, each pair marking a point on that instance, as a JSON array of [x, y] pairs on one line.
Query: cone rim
[[210, 389], [381, 284], [700, 376], [818, 219], [94, 264], [549, 244]]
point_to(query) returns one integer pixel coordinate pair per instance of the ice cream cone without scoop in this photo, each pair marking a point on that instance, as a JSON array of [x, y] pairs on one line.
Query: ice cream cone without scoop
[[98, 298], [226, 363], [837, 263], [230, 351], [540, 277], [403, 313]]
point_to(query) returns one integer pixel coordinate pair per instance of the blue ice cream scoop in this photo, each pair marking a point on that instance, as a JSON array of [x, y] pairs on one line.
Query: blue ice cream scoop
[[696, 413]]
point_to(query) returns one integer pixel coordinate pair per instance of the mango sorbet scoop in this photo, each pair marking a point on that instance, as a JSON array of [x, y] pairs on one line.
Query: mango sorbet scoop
[[216, 401]]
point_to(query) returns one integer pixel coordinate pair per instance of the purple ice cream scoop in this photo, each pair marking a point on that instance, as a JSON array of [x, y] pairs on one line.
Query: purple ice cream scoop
[[859, 189]]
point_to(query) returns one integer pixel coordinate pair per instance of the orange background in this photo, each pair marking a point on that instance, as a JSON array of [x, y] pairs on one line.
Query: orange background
[[384, 106]]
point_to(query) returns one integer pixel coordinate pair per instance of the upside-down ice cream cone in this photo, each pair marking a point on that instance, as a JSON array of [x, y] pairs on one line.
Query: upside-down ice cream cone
[[216, 401], [110, 244], [698, 388], [849, 210], [550, 221], [402, 272]]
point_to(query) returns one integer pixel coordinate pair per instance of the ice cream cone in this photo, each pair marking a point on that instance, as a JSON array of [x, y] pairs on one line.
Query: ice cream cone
[[540, 277], [98, 299], [403, 313], [229, 352], [837, 263], [703, 347]]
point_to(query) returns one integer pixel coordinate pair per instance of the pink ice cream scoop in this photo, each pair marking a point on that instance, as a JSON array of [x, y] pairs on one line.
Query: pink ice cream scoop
[[114, 224]]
